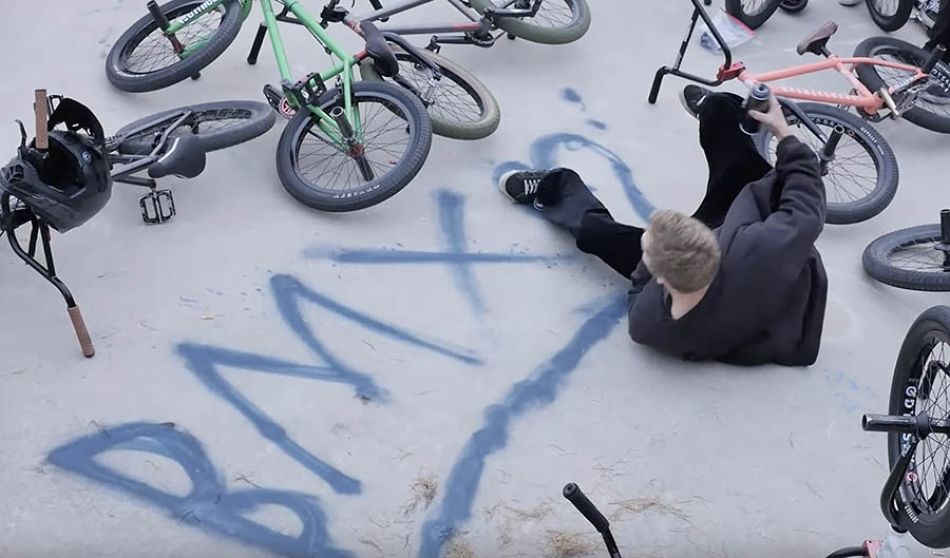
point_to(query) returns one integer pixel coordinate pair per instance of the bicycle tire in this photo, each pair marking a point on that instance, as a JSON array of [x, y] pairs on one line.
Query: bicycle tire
[[752, 19], [911, 385], [872, 143], [879, 265], [123, 78], [793, 6], [923, 114], [383, 187], [849, 552], [520, 27], [451, 123], [252, 119], [890, 22]]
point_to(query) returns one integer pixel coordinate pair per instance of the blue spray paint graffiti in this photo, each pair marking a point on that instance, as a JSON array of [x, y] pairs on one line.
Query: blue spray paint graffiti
[[451, 217], [537, 391], [451, 220], [544, 152], [204, 361], [209, 505], [571, 95]]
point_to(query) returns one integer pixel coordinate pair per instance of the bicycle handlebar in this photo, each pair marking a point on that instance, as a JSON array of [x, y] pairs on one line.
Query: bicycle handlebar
[[576, 496]]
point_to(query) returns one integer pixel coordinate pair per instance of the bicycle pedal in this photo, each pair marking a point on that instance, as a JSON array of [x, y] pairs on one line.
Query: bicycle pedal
[[157, 206]]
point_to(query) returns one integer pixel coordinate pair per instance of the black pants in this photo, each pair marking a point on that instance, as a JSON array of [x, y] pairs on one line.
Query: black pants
[[940, 35], [733, 162]]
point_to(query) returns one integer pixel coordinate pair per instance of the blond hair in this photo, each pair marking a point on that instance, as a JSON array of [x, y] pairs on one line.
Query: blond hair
[[683, 251]]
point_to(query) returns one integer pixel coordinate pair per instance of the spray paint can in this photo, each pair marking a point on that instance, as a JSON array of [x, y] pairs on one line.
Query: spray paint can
[[758, 100]]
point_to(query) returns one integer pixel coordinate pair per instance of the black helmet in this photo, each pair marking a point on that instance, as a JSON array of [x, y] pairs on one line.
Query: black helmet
[[72, 182]]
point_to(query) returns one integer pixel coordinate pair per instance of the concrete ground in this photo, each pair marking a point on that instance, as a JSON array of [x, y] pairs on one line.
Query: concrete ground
[[423, 377]]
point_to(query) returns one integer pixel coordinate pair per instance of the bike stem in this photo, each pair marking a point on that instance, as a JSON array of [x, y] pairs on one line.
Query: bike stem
[[727, 71]]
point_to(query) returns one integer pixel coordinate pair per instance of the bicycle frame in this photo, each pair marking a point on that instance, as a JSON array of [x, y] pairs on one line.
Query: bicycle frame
[[473, 25], [343, 68], [477, 29], [869, 102]]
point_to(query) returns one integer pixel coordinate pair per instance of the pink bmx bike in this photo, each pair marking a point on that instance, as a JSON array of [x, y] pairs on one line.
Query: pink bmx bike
[[887, 78]]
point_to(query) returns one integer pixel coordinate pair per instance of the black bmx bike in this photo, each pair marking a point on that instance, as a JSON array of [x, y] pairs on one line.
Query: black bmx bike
[[170, 143], [915, 500]]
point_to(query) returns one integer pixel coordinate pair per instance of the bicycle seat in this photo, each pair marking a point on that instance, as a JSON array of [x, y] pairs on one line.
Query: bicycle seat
[[378, 49], [817, 42], [185, 158]]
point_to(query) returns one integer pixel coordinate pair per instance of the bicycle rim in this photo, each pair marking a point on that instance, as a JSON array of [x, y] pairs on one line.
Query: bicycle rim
[[886, 8], [926, 483], [919, 255], [553, 14], [150, 51], [853, 175], [755, 7], [934, 98], [325, 163], [201, 122], [454, 100]]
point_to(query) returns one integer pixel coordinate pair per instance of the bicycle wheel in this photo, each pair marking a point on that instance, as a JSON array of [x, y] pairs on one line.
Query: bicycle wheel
[[793, 6], [921, 385], [909, 259], [462, 107], [557, 21], [862, 179], [143, 59], [890, 15], [753, 13], [932, 107], [320, 173], [218, 125]]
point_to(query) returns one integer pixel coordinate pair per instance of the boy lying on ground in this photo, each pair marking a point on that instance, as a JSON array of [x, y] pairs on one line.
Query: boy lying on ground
[[740, 281]]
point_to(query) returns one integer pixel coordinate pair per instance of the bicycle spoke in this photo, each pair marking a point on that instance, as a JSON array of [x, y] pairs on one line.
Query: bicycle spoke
[[553, 14], [154, 52], [384, 137], [451, 101]]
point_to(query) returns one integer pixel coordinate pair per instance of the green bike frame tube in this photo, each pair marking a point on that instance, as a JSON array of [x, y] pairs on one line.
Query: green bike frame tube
[[347, 61], [270, 20]]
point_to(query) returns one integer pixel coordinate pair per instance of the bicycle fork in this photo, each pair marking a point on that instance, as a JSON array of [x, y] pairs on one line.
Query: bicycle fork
[[355, 148]]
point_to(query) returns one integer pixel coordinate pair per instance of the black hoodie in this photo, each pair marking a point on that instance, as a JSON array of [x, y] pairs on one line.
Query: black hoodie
[[767, 302]]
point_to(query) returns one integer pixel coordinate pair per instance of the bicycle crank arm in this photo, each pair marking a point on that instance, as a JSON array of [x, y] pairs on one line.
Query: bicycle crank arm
[[889, 101]]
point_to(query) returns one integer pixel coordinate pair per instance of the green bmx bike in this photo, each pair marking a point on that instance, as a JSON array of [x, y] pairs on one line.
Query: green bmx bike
[[347, 145]]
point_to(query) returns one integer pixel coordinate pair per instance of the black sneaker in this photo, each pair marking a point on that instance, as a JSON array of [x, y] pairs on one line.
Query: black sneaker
[[522, 186], [692, 97]]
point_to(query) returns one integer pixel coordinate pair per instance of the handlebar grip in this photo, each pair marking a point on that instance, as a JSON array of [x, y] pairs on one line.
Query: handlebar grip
[[85, 341], [935, 57], [576, 496], [42, 119]]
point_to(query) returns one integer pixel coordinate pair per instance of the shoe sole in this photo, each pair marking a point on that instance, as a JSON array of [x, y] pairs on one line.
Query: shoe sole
[[689, 111], [501, 184]]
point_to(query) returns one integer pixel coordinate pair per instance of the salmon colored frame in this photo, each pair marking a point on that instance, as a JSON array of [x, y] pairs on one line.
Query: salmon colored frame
[[870, 102]]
